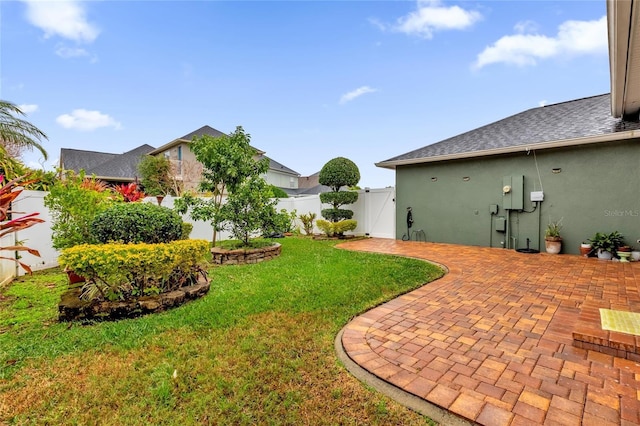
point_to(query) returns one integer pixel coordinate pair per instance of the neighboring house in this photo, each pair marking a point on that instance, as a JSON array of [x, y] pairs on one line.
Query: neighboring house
[[582, 157], [112, 168], [188, 170], [309, 185]]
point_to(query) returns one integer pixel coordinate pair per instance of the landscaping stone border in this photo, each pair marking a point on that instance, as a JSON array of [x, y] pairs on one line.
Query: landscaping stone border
[[244, 256], [72, 308]]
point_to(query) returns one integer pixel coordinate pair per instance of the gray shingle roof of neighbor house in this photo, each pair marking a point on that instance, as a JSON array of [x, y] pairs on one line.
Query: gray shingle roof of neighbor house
[[102, 164], [576, 122], [278, 167], [204, 130]]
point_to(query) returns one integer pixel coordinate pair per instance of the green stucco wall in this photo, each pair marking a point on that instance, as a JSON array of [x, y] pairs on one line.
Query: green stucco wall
[[596, 190]]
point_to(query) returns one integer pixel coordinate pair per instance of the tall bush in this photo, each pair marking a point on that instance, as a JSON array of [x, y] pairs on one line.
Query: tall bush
[[74, 201]]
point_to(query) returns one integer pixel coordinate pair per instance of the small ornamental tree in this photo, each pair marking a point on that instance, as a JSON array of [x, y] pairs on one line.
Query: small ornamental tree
[[228, 162], [248, 209], [155, 175], [335, 174]]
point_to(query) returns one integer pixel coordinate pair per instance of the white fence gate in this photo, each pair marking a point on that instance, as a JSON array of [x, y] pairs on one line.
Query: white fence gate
[[374, 211]]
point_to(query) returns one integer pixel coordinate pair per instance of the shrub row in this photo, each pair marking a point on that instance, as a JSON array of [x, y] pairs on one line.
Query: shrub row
[[121, 271], [336, 228]]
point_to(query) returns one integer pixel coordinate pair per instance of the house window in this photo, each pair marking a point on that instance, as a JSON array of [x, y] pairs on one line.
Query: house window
[[179, 153], [167, 155], [291, 183]]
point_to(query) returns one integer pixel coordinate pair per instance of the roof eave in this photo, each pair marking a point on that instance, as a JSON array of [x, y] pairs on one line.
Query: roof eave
[[624, 56], [630, 134]]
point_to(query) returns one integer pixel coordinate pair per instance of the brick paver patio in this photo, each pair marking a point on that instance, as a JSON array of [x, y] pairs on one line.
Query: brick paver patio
[[492, 341]]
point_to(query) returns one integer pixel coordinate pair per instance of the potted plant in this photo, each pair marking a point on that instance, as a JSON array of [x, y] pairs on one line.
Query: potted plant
[[552, 238], [585, 248], [606, 245]]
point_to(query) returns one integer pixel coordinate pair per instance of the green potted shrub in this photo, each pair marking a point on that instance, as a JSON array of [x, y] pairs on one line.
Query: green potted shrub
[[606, 245], [552, 238]]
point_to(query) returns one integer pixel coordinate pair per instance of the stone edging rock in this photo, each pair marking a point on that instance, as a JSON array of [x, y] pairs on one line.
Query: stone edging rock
[[71, 308], [244, 256]]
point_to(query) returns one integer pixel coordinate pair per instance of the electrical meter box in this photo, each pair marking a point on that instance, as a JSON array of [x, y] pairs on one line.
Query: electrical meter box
[[501, 224], [513, 192]]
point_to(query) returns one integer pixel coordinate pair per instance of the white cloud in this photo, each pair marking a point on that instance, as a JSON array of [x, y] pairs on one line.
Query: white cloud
[[356, 93], [67, 52], [542, 103], [524, 27], [28, 108], [63, 18], [82, 119], [573, 38], [431, 16], [70, 52]]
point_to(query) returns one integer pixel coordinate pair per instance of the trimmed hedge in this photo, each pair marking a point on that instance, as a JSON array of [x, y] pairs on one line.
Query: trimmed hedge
[[137, 223], [122, 271], [336, 228]]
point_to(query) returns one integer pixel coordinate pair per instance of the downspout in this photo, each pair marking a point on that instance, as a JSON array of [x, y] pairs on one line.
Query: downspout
[[508, 235]]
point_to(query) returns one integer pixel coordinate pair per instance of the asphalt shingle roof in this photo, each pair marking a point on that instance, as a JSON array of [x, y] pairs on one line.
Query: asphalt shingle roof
[[574, 119], [279, 167], [104, 164], [204, 130]]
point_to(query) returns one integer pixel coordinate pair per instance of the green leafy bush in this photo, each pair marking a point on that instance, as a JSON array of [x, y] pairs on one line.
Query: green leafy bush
[[336, 228], [137, 223], [186, 230], [339, 172], [73, 202], [278, 192], [334, 215], [121, 271]]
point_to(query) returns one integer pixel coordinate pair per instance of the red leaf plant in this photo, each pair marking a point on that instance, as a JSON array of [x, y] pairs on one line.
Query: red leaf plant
[[130, 192], [8, 192]]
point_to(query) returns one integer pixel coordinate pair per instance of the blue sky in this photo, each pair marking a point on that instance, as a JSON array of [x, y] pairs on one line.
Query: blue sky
[[309, 80]]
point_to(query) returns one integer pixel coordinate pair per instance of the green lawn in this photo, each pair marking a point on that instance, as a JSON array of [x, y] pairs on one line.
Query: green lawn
[[258, 349]]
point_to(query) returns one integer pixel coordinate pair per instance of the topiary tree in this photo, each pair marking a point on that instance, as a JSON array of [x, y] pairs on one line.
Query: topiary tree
[[137, 223], [335, 174]]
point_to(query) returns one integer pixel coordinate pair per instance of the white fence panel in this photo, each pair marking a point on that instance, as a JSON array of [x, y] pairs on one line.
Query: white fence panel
[[374, 211], [39, 235], [7, 266], [379, 212]]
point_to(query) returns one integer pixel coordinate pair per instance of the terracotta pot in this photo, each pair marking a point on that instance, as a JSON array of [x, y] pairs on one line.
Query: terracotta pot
[[74, 278], [584, 251]]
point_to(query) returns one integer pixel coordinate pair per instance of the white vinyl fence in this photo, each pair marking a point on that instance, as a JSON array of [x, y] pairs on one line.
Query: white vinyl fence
[[374, 211]]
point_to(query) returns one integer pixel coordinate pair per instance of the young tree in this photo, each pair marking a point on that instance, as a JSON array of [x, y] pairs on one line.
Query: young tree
[[248, 208], [16, 133], [155, 175], [228, 161], [335, 174]]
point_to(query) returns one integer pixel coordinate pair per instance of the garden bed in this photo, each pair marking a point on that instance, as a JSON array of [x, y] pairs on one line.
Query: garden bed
[[72, 308], [222, 256]]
